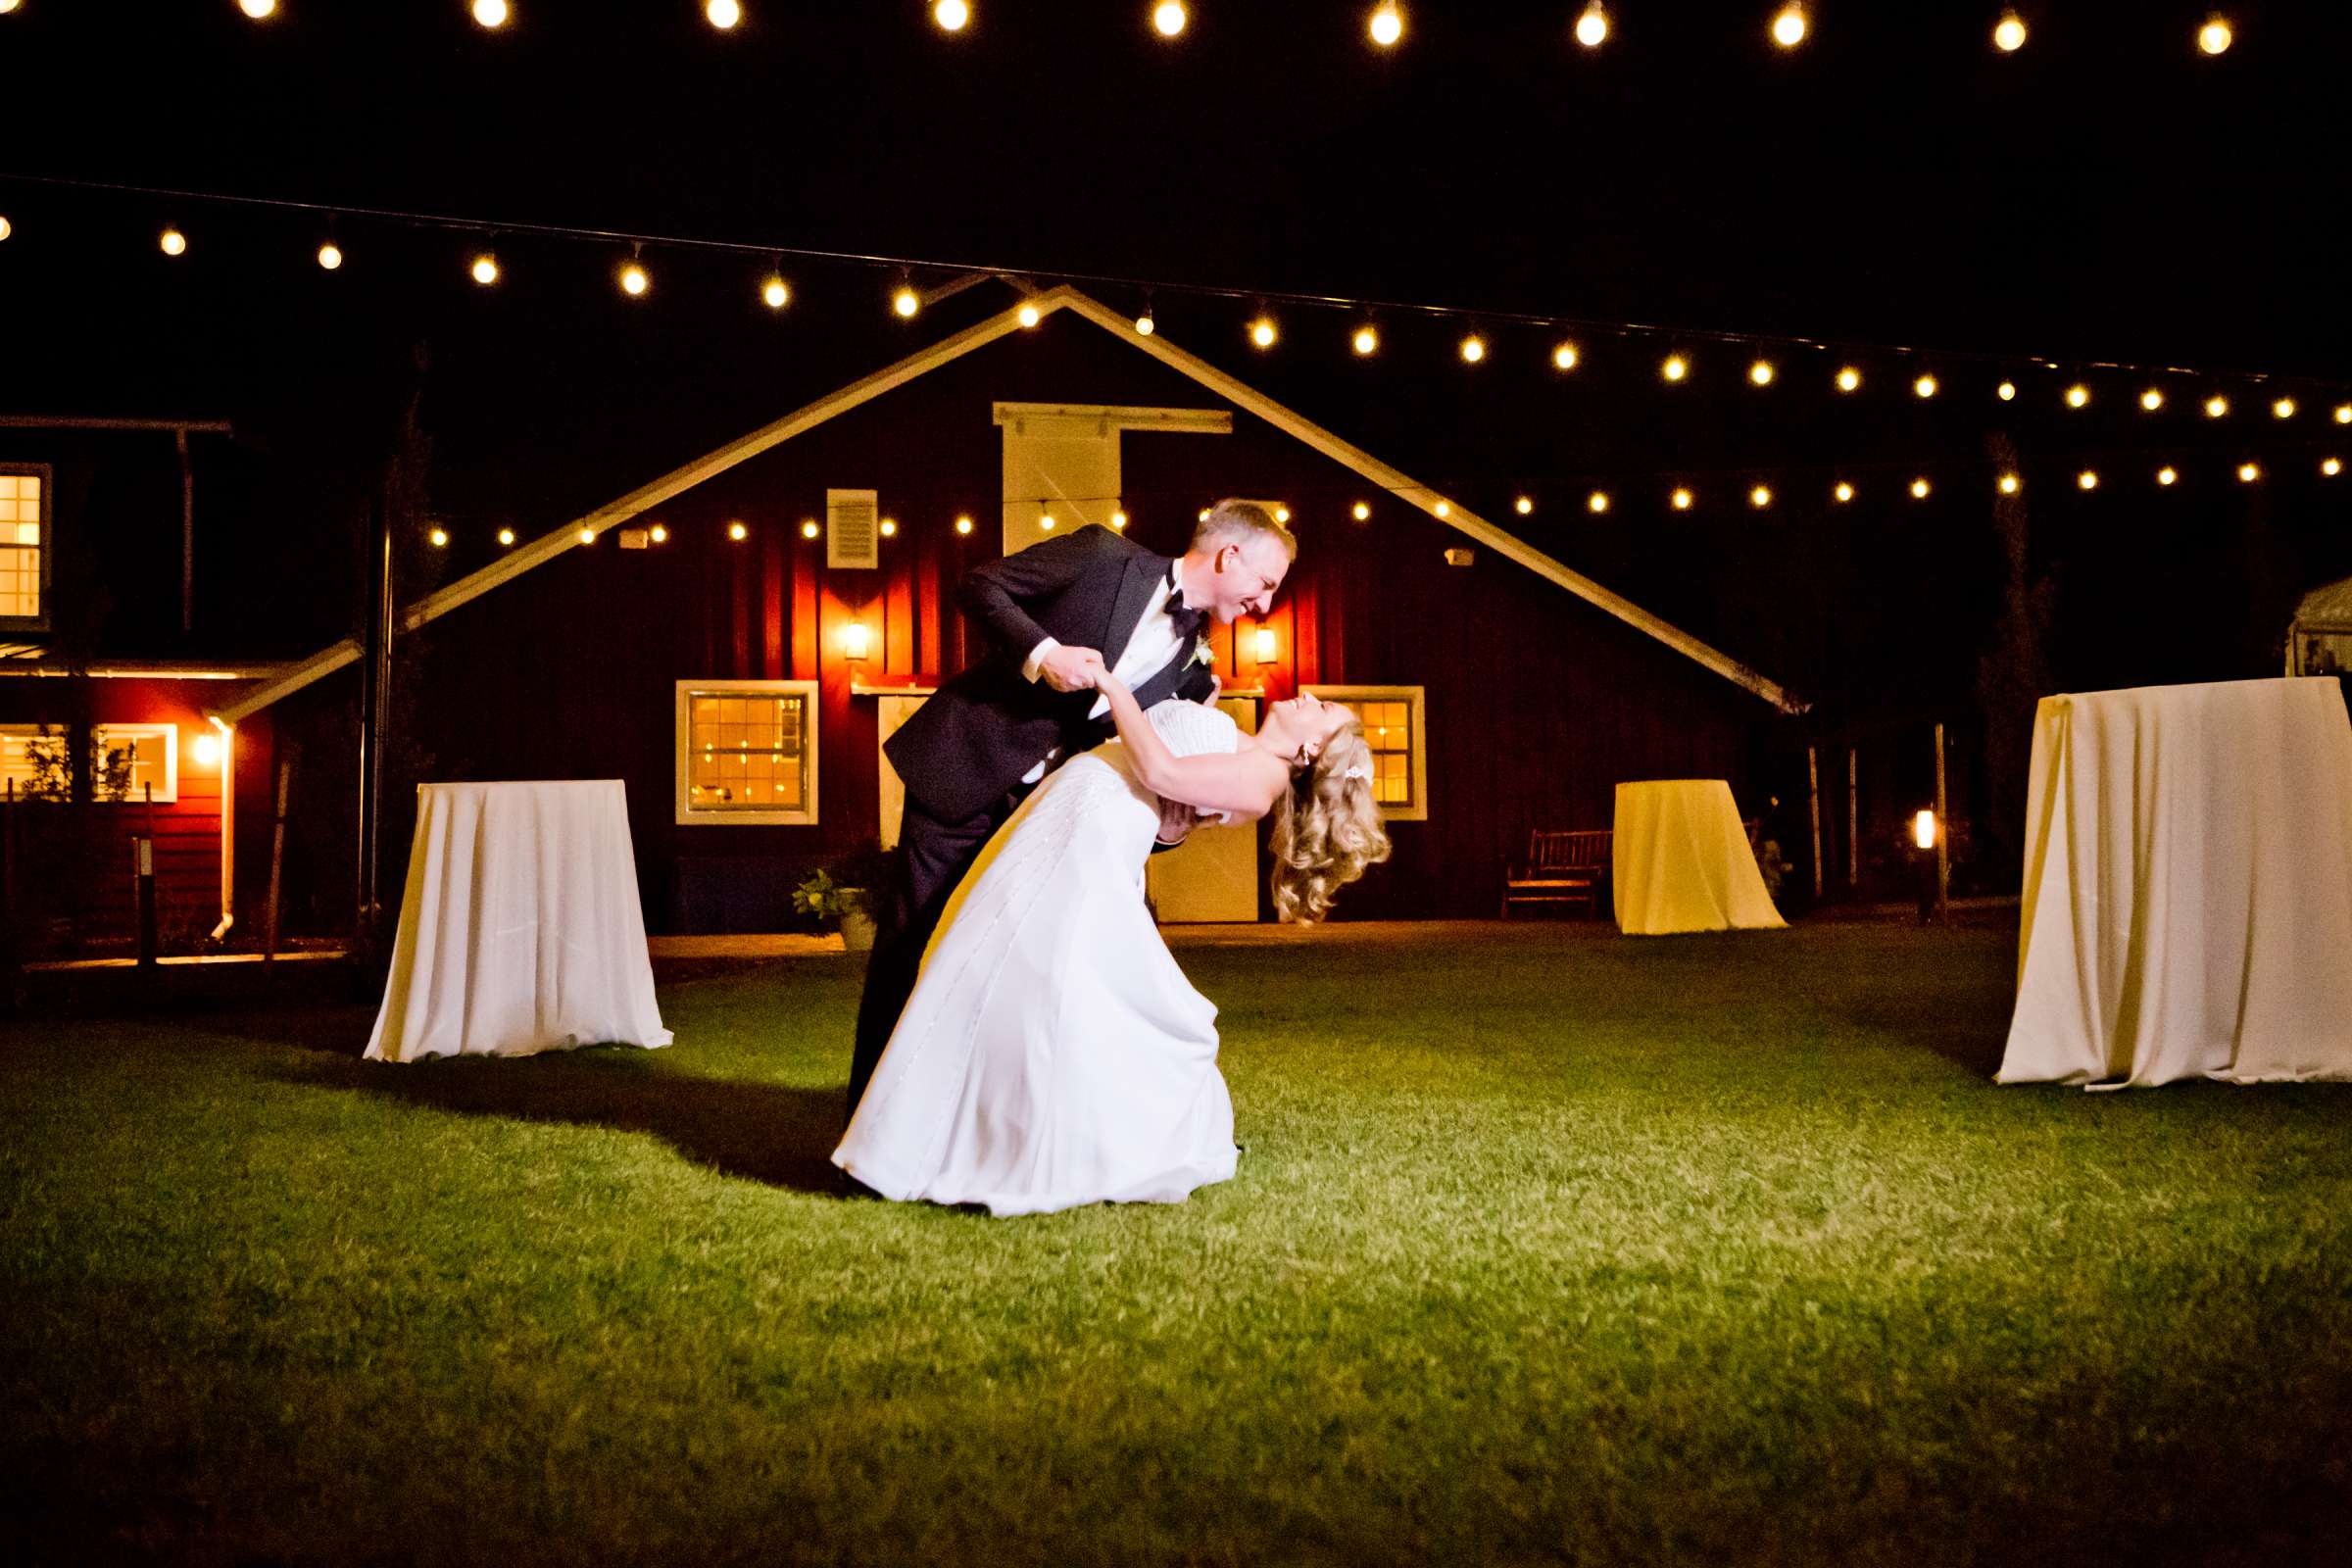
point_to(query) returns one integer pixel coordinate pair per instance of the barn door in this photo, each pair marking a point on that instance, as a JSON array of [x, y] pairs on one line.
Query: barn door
[[1214, 874], [889, 715]]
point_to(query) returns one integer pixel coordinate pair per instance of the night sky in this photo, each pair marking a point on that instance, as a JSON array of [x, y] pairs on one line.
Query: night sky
[[2105, 194]]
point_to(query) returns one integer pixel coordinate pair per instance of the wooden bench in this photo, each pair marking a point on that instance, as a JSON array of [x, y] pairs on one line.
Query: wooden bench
[[1567, 867]]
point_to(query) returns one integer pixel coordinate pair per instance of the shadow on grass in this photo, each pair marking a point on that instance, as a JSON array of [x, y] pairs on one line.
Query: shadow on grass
[[778, 1134]]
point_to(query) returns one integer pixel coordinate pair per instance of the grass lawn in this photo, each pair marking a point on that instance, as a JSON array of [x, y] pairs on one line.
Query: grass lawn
[[1546, 1246]]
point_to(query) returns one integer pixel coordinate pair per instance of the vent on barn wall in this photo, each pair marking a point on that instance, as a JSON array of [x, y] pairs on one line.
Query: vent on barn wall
[[854, 528]]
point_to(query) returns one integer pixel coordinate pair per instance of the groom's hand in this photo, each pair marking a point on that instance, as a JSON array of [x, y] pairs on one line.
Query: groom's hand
[[1176, 820], [1070, 669]]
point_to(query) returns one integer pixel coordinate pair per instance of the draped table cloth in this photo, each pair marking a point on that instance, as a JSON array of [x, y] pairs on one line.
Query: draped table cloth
[[521, 930], [2189, 887], [1681, 861]]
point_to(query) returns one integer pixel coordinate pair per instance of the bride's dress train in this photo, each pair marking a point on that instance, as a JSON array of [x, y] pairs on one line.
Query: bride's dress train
[[1053, 1052]]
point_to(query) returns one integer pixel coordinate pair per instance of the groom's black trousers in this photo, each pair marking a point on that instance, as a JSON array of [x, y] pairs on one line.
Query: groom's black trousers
[[933, 856]]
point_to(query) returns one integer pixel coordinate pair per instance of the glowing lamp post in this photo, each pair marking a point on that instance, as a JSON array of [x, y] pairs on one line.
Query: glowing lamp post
[[1925, 832]]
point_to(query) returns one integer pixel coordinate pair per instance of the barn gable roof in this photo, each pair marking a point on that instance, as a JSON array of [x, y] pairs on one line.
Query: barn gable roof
[[1450, 513]]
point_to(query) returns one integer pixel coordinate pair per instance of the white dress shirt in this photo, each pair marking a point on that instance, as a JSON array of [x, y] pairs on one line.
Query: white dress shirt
[[1149, 649]]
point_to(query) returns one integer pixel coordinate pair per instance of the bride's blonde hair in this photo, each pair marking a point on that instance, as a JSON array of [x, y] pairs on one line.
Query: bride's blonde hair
[[1327, 827]]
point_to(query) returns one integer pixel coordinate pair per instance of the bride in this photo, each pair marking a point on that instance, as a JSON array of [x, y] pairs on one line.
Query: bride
[[1053, 1053]]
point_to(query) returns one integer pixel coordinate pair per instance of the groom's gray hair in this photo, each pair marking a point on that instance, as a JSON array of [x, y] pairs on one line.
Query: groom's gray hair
[[1232, 521]]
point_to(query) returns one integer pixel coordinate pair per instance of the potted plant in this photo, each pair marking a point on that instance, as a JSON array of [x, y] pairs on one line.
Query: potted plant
[[844, 895]]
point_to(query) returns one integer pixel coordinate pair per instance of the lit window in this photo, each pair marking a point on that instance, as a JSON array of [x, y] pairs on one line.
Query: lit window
[[125, 761], [1393, 729], [24, 549], [747, 750]]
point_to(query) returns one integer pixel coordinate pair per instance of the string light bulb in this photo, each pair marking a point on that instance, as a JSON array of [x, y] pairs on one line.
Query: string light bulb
[[490, 13], [587, 536], [330, 256], [1761, 372], [1524, 505], [1029, 316], [1282, 515], [1760, 497], [174, 242], [2166, 475], [2008, 484], [1119, 521], [1168, 16], [1387, 26], [2214, 37], [1681, 499], [1363, 512], [1675, 368], [2216, 405], [1849, 379], [1925, 386], [2331, 466], [2077, 396], [951, 15], [1474, 349], [1045, 521], [1919, 488], [2009, 34], [2343, 411], [5, 229], [2151, 400], [738, 531], [438, 538], [890, 527], [2283, 409], [2248, 472], [963, 524], [1844, 491], [724, 14], [1788, 28], [505, 538], [1592, 28], [1564, 357], [775, 293], [258, 10], [633, 281], [1144, 326], [1443, 509], [658, 534], [809, 527], [485, 268], [1366, 341], [2087, 479], [2006, 391], [1598, 502], [1261, 332], [906, 301]]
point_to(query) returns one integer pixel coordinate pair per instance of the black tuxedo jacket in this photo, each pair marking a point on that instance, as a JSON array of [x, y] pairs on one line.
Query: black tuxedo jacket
[[974, 738]]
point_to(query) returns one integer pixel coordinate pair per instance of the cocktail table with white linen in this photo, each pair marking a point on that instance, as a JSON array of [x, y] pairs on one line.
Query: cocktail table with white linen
[[1680, 861], [2189, 887], [521, 929]]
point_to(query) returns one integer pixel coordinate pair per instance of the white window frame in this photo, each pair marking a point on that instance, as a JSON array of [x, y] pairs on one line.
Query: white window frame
[[47, 547], [166, 791], [688, 814], [1416, 754]]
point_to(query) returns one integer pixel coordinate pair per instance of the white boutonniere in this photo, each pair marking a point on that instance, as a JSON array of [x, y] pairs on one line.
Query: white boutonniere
[[1201, 653]]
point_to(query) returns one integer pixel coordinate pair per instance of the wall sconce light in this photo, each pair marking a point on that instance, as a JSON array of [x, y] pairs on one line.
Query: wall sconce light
[[208, 750], [1265, 645], [1923, 830], [854, 641]]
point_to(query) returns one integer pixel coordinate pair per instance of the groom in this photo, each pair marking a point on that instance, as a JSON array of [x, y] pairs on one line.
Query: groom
[[1051, 614]]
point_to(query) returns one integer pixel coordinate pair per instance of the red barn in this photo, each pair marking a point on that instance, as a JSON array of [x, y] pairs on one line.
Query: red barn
[[736, 638]]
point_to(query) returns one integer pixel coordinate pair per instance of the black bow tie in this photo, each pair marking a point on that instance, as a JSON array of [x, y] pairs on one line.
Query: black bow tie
[[1186, 620]]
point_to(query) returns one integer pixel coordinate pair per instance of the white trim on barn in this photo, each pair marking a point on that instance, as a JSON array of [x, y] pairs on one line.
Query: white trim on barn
[[1460, 518]]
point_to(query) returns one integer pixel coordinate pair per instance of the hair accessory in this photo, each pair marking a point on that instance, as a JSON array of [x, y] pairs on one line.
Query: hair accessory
[[1357, 770]]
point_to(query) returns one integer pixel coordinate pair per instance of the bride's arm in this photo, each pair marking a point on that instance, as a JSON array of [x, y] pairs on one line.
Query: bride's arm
[[1242, 784]]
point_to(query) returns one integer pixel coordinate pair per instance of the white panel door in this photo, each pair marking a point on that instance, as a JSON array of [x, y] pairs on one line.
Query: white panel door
[[889, 715]]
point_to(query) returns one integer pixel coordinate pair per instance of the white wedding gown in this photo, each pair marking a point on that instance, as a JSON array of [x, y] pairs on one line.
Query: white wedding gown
[[1053, 1053]]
